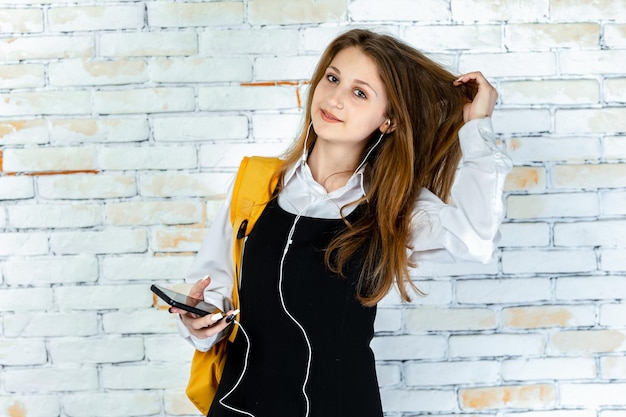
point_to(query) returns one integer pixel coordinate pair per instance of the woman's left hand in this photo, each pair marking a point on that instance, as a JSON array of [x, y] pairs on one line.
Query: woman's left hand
[[485, 100]]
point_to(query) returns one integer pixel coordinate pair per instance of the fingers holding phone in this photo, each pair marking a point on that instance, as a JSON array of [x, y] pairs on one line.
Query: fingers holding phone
[[206, 326]]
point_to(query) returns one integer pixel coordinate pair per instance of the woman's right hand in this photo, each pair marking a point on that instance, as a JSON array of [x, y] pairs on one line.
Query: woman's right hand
[[200, 326]]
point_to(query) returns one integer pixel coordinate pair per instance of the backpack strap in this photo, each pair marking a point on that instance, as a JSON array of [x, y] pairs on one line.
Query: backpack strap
[[253, 189]]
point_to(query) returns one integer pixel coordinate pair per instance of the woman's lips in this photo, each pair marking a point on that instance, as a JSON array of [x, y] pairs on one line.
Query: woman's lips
[[329, 117]]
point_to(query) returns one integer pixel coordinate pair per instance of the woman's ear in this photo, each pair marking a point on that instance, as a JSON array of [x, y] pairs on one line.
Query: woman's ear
[[387, 126]]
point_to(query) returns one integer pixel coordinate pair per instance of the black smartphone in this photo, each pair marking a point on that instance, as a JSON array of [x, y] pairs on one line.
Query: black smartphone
[[184, 302]]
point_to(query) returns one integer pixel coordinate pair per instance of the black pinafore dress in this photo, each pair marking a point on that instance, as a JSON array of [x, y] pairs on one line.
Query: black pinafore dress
[[342, 381]]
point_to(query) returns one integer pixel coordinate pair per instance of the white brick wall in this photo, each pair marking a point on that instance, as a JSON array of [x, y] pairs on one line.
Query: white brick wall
[[121, 123]]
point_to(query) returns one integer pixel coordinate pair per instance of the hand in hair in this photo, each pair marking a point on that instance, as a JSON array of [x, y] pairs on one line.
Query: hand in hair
[[485, 99]]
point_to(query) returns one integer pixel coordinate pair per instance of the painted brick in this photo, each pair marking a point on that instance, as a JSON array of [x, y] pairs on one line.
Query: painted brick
[[388, 375], [54, 215], [27, 131], [50, 270], [21, 20], [397, 400], [388, 320], [49, 159], [86, 186], [177, 239], [26, 299], [613, 260], [126, 403], [587, 341], [46, 47], [142, 377], [452, 373], [22, 75], [176, 403], [614, 90], [106, 297], [149, 212], [552, 205], [524, 234], [166, 348], [502, 291], [50, 324], [593, 394], [614, 148], [593, 62], [569, 149], [526, 179], [451, 319], [607, 233], [99, 130], [550, 92], [92, 18], [250, 41], [515, 396], [268, 12], [433, 269], [23, 244], [110, 240], [590, 288], [613, 367], [170, 14], [513, 64], [613, 202], [53, 379], [153, 157], [273, 127], [144, 100], [30, 405], [605, 120], [435, 293], [69, 350], [16, 352], [589, 176], [548, 369], [534, 317], [615, 35], [205, 69], [149, 321], [543, 36], [522, 121], [228, 156], [157, 43], [510, 11], [286, 68], [566, 10], [445, 37], [409, 347], [613, 315], [141, 268], [16, 188], [55, 102], [548, 261], [88, 72], [502, 344], [247, 98], [199, 128], [211, 185]]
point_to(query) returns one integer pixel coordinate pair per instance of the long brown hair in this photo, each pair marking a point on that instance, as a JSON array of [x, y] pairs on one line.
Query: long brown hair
[[422, 150]]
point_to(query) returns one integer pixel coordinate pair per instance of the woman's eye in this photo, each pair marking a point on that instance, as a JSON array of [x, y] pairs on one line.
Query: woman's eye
[[332, 78], [360, 94]]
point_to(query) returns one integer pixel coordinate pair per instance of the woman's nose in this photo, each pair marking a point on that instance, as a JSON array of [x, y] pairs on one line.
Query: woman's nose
[[335, 98]]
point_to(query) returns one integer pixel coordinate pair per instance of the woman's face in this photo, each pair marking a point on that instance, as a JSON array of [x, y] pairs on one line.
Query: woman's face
[[350, 101]]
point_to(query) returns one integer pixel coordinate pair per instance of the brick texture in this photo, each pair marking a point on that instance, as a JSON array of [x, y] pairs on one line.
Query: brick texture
[[122, 123]]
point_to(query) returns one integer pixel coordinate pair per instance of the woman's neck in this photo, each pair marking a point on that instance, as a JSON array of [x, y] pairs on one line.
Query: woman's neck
[[332, 166]]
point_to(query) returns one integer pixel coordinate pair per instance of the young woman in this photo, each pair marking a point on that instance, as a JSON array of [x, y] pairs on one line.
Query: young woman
[[361, 199]]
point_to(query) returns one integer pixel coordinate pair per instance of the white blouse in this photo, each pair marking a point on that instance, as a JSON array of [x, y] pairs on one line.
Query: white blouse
[[464, 230]]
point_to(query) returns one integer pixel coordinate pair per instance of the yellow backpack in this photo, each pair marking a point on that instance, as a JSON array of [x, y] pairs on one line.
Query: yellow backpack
[[252, 190]]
